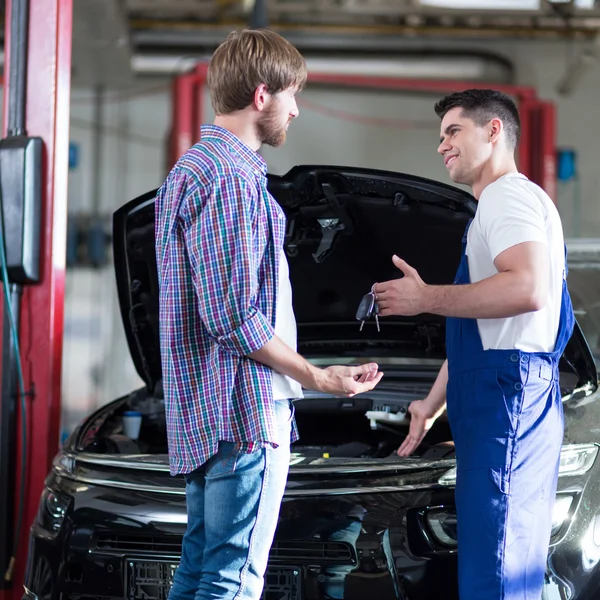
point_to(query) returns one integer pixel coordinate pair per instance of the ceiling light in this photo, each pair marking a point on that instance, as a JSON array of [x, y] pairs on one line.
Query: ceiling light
[[499, 5]]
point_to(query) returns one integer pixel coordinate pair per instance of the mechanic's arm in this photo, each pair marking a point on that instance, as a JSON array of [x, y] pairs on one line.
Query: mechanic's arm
[[423, 413], [520, 286], [220, 243]]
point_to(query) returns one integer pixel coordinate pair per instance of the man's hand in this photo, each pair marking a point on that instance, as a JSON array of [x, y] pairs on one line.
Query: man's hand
[[402, 297], [347, 381], [421, 421]]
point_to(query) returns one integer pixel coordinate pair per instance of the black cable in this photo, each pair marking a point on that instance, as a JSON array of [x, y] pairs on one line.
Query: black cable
[[17, 82], [17, 350]]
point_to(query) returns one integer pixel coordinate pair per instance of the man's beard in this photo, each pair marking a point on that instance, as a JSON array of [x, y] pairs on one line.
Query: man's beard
[[268, 129]]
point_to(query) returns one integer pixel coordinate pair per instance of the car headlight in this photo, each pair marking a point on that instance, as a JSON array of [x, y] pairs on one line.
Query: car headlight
[[576, 459], [64, 464], [52, 511]]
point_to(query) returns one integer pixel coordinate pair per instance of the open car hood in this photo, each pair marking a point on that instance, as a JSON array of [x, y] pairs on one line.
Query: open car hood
[[344, 225]]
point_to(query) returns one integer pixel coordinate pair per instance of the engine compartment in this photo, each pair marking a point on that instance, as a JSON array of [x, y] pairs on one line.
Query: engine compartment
[[329, 427]]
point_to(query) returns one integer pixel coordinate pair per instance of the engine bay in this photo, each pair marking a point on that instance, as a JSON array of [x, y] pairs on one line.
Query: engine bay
[[366, 426]]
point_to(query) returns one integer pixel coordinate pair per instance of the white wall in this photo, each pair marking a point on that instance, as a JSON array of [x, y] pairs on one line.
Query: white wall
[[404, 138], [97, 366]]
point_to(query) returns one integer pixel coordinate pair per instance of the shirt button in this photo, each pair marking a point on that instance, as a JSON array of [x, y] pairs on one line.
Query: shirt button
[[518, 387], [514, 357], [524, 358]]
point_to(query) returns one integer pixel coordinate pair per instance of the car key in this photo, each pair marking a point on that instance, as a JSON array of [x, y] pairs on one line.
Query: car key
[[367, 307]]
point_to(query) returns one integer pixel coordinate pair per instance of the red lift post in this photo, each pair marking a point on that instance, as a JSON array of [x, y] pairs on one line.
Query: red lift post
[[48, 74], [537, 149]]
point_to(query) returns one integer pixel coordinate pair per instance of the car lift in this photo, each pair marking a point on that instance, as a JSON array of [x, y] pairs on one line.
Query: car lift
[[47, 73], [537, 149], [47, 100]]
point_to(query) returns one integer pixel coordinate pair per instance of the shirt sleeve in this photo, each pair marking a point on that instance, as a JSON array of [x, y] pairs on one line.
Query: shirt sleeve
[[510, 216], [220, 242]]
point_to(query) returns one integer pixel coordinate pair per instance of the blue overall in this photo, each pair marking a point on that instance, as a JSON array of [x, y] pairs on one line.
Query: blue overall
[[505, 412]]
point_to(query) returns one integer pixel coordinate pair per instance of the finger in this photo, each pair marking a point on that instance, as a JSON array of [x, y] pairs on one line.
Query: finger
[[385, 312], [409, 446], [363, 369], [367, 386], [403, 265], [380, 288], [366, 377]]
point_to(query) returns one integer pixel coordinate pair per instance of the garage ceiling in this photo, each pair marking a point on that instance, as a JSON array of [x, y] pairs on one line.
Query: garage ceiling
[[197, 26], [535, 14]]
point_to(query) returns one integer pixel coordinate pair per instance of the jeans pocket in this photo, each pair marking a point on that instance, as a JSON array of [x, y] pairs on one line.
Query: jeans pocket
[[224, 461]]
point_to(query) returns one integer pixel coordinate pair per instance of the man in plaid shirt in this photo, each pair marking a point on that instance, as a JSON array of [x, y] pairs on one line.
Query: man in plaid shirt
[[227, 327]]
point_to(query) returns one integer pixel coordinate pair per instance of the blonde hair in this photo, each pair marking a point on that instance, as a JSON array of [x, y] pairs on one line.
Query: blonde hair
[[247, 59]]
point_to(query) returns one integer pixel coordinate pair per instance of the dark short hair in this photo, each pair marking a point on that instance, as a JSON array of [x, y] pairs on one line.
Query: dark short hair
[[482, 106]]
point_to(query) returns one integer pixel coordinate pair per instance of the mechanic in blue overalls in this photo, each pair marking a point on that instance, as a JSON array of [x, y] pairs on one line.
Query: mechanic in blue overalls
[[509, 317]]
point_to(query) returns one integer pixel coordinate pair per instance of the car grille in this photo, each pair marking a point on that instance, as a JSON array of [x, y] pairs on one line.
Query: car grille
[[295, 552], [153, 580], [133, 544]]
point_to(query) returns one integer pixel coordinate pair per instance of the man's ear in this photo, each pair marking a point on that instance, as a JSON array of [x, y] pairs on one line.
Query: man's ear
[[495, 129], [261, 97]]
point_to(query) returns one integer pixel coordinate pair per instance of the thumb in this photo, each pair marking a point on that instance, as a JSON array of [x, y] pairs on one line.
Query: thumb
[[364, 369], [402, 265]]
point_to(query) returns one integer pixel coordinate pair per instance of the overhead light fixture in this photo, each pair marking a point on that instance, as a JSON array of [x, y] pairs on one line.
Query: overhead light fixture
[[465, 68], [471, 68], [484, 4], [500, 5]]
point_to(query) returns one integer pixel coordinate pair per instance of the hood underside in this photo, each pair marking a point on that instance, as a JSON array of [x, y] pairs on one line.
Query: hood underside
[[343, 227]]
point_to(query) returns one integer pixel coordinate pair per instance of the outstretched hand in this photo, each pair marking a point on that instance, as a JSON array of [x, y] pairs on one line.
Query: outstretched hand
[[349, 381], [404, 296], [421, 422]]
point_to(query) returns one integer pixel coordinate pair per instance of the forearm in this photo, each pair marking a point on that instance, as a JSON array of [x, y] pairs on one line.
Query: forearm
[[282, 359], [501, 296], [436, 399]]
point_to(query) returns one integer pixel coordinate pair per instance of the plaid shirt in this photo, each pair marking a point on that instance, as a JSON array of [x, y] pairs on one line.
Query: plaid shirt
[[219, 234]]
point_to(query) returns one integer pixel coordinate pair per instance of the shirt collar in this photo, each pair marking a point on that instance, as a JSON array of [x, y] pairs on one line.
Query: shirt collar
[[220, 134]]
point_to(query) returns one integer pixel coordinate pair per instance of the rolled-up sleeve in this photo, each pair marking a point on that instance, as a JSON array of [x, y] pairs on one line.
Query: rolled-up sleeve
[[220, 243]]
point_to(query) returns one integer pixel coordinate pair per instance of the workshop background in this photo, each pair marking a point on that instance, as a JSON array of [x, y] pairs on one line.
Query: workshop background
[[126, 54]]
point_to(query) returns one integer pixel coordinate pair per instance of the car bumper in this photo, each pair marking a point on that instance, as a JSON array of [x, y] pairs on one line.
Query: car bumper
[[122, 543]]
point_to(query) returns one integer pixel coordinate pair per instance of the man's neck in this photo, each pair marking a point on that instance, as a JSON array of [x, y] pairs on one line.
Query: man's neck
[[242, 127], [492, 172]]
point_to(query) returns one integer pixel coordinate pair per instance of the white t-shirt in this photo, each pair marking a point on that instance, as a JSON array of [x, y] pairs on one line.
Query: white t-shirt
[[285, 328], [513, 210]]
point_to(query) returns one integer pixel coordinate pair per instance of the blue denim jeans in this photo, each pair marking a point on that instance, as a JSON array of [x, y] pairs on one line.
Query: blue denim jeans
[[233, 504]]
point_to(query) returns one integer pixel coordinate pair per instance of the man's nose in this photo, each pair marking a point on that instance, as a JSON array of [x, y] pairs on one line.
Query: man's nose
[[294, 112], [443, 147]]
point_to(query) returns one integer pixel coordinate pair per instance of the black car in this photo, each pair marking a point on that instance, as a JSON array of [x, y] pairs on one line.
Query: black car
[[357, 521]]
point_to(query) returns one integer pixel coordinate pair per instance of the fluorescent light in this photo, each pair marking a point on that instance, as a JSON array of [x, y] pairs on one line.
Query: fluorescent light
[[425, 68], [435, 67], [484, 4], [499, 5]]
